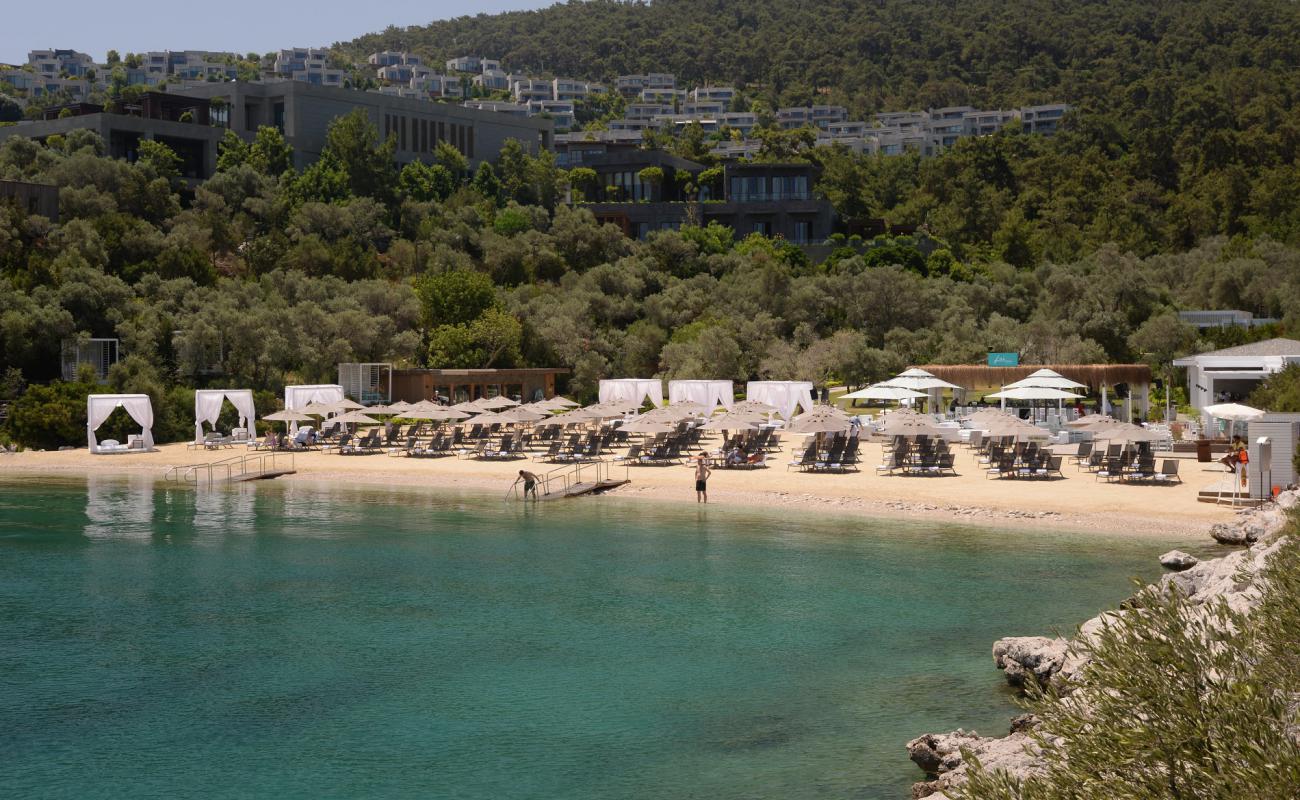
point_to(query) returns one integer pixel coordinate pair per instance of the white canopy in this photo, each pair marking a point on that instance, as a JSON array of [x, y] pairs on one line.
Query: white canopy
[[1234, 412], [632, 390], [709, 394], [207, 407], [882, 392], [784, 396], [1035, 393], [100, 406], [300, 396], [1046, 377], [918, 380]]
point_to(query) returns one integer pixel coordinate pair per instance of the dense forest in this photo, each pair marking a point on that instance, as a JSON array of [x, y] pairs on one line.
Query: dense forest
[[1173, 185]]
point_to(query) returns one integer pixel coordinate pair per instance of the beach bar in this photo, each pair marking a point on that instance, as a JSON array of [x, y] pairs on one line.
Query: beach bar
[[461, 385], [1131, 381]]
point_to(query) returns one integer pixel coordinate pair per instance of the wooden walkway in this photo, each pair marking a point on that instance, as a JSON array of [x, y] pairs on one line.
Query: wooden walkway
[[580, 489]]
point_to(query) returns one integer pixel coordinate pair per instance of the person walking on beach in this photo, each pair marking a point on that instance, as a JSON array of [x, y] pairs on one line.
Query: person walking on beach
[[702, 473], [530, 483]]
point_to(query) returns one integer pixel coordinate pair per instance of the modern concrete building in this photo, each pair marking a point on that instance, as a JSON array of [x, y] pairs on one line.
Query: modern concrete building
[[771, 199], [303, 112], [58, 63], [157, 116], [308, 65], [1223, 318], [633, 85], [472, 64], [1230, 374]]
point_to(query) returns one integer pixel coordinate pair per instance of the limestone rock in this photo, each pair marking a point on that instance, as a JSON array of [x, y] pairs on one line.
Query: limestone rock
[[1288, 499], [1178, 560], [1228, 533], [1026, 658], [1016, 753]]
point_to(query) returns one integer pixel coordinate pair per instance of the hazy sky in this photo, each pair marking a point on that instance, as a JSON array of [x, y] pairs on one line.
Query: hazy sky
[[240, 26]]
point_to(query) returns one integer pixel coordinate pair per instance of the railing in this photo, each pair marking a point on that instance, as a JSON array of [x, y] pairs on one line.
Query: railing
[[231, 468], [564, 478]]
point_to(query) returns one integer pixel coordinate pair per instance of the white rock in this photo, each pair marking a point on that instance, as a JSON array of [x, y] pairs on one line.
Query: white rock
[[1178, 560]]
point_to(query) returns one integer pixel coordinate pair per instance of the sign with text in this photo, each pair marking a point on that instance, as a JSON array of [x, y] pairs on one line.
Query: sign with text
[[1004, 359]]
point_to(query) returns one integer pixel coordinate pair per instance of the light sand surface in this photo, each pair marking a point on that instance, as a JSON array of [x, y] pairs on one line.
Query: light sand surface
[[1079, 502]]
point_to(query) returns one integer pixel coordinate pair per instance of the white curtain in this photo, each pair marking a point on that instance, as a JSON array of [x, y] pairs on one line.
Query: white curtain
[[632, 390], [298, 397], [784, 396], [100, 406], [708, 393], [207, 407]]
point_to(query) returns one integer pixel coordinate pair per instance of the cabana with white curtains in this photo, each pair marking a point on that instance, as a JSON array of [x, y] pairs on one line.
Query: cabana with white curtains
[[207, 407], [632, 390], [100, 406], [707, 393], [300, 396], [784, 396]]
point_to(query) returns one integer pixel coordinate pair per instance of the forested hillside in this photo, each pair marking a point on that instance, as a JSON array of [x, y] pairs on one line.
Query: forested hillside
[[1174, 185]]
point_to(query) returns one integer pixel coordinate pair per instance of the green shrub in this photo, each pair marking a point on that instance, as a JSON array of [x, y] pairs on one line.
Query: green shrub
[[1178, 701]]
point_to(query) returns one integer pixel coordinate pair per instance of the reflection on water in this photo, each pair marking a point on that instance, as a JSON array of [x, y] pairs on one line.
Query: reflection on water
[[119, 508]]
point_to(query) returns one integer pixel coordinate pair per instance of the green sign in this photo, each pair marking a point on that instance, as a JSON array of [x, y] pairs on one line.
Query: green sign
[[1004, 359]]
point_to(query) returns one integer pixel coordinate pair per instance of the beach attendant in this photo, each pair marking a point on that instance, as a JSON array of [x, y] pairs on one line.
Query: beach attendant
[[702, 473]]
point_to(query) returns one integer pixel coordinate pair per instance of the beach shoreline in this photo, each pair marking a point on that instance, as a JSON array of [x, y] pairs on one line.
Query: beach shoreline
[[1078, 503]]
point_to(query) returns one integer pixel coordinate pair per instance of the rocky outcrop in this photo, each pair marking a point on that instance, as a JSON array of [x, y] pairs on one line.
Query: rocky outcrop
[[1057, 662], [1029, 658], [940, 755], [1177, 560]]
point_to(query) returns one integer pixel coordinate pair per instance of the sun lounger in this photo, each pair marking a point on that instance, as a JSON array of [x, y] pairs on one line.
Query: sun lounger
[[1168, 471]]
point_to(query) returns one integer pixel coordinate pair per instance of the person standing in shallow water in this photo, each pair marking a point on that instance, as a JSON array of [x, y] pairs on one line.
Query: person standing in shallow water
[[702, 473], [530, 483]]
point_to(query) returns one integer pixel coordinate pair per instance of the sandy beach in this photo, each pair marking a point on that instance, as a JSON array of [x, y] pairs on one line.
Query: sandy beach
[[1078, 502]]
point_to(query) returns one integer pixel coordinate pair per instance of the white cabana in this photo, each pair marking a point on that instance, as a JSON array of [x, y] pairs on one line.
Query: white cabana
[[784, 396], [709, 394], [100, 406], [207, 407], [632, 390], [300, 396]]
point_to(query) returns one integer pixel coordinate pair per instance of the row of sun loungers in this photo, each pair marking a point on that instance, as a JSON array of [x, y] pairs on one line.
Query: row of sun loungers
[[841, 455]]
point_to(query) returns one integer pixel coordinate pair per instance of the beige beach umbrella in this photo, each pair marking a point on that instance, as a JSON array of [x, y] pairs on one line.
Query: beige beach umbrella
[[521, 414], [347, 405], [729, 422], [355, 418], [319, 409], [753, 405], [435, 413], [400, 405], [470, 407], [495, 403], [561, 402], [823, 412], [688, 407], [289, 416], [643, 425], [909, 426], [823, 424]]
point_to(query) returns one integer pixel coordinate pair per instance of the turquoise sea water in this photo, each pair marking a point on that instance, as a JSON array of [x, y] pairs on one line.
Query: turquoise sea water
[[297, 641]]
